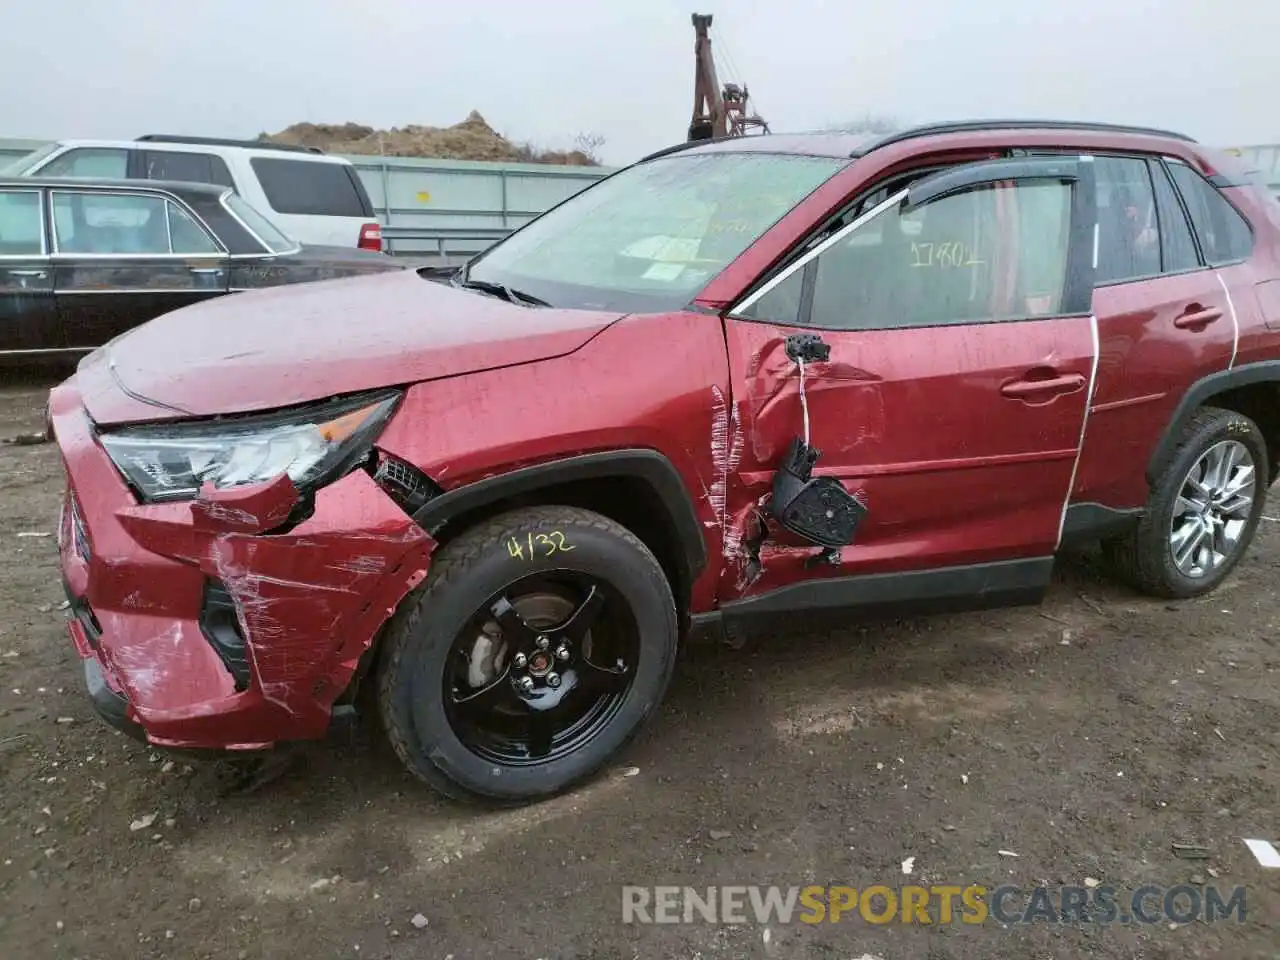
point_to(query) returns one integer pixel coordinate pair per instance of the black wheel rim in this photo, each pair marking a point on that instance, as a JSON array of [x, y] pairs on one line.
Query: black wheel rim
[[541, 668]]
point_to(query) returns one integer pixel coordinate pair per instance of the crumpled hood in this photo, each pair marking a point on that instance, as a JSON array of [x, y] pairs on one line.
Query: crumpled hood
[[286, 345]]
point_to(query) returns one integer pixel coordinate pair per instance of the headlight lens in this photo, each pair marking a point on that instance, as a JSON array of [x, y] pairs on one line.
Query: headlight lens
[[312, 446]]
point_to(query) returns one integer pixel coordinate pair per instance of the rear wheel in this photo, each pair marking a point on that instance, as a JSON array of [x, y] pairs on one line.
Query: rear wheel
[[538, 646], [1203, 510]]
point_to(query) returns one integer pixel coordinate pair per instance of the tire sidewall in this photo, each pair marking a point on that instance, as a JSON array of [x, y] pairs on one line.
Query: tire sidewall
[[1229, 426], [631, 573]]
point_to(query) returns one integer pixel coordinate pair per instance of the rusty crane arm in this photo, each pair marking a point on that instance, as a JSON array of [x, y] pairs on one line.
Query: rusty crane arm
[[717, 111]]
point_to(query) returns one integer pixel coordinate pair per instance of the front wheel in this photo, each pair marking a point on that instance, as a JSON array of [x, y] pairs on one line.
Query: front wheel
[[1203, 510], [538, 646]]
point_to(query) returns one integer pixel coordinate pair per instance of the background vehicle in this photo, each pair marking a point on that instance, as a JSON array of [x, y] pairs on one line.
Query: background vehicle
[[82, 261], [315, 198], [753, 376]]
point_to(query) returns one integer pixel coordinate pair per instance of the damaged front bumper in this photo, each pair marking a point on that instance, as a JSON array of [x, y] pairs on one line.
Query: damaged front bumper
[[202, 639], [110, 705]]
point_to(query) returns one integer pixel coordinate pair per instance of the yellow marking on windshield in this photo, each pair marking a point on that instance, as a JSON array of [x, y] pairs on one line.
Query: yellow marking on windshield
[[948, 254]]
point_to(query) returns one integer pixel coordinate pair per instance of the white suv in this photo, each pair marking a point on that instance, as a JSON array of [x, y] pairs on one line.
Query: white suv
[[317, 199]]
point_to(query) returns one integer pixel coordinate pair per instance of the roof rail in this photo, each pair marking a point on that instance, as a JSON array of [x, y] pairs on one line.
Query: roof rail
[[221, 142], [970, 126]]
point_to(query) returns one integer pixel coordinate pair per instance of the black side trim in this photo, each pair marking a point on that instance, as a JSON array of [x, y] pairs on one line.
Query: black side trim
[[1262, 372], [945, 590], [1222, 180], [1094, 521], [646, 465], [955, 179], [109, 705]]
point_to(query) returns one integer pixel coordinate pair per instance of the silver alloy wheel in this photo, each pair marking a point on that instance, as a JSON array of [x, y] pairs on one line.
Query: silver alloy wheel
[[1212, 509]]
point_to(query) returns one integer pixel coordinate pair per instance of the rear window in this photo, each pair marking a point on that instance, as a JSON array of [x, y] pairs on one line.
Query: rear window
[[310, 188], [267, 232]]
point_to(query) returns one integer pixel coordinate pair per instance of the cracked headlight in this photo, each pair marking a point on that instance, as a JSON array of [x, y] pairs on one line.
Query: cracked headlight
[[313, 445]]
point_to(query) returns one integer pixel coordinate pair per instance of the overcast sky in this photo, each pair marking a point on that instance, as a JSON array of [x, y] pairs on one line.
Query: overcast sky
[[548, 69]]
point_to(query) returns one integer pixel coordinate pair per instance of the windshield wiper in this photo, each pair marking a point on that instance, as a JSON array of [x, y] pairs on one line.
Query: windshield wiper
[[502, 290]]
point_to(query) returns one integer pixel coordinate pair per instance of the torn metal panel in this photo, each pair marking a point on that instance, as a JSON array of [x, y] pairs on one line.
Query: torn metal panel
[[308, 601], [249, 509], [772, 403]]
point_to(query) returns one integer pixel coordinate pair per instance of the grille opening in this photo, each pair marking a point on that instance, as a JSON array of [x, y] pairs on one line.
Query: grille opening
[[83, 612], [221, 627], [78, 532]]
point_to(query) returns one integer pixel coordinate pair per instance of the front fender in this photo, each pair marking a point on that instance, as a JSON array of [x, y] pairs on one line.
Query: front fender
[[644, 399]]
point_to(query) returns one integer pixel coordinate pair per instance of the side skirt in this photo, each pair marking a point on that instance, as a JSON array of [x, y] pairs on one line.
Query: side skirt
[[982, 586]]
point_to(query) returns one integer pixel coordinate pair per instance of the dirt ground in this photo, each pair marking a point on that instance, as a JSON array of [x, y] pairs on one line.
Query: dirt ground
[[1086, 737]]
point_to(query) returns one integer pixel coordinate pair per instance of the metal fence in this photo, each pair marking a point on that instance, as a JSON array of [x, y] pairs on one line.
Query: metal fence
[[452, 209], [445, 210], [1264, 159]]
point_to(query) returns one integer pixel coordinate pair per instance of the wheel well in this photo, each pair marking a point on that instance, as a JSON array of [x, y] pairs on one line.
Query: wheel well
[[1260, 402], [628, 500], [634, 500]]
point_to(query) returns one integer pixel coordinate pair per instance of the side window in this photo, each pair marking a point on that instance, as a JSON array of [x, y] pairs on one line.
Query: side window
[[110, 223], [1176, 241], [112, 164], [178, 166], [21, 229], [185, 167], [1225, 236], [995, 252], [1128, 231], [187, 236], [781, 304]]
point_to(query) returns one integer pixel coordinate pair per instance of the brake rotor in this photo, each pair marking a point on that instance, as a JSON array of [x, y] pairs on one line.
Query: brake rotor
[[543, 610]]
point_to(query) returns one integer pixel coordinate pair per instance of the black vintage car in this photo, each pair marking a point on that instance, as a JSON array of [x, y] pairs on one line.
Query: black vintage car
[[83, 260]]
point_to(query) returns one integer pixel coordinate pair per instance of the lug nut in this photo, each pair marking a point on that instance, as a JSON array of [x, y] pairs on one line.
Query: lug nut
[[562, 653], [520, 660], [543, 643], [553, 679], [526, 684]]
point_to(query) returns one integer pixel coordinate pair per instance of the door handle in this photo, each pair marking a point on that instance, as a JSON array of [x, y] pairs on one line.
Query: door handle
[[1196, 317], [206, 270], [1053, 387], [38, 274]]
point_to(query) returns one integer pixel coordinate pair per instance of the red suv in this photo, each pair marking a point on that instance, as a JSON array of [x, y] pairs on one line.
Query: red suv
[[739, 377]]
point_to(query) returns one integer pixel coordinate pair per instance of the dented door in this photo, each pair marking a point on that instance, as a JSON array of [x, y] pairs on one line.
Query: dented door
[[953, 399]]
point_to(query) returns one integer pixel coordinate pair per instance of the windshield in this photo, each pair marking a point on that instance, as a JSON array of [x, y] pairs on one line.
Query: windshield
[[18, 166], [649, 238], [268, 232]]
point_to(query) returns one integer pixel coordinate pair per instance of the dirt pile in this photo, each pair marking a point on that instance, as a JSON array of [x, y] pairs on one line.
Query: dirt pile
[[472, 139]]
